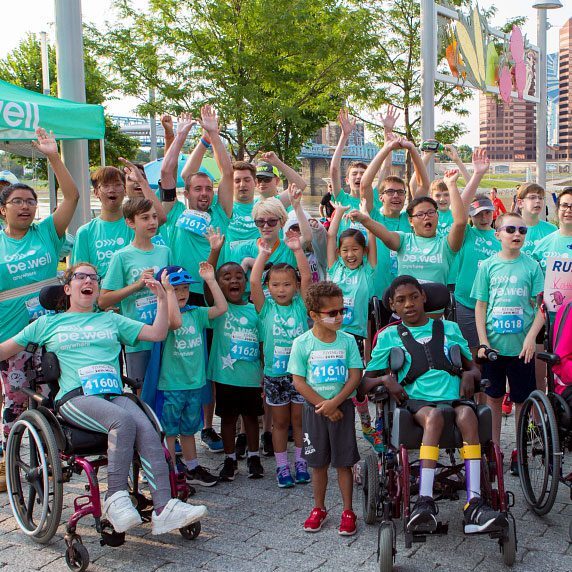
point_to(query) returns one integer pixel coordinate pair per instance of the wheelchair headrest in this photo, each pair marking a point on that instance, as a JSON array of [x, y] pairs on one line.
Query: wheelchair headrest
[[438, 296], [53, 298]]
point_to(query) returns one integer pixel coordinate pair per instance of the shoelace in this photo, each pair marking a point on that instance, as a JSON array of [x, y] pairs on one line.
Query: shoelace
[[284, 472], [301, 466]]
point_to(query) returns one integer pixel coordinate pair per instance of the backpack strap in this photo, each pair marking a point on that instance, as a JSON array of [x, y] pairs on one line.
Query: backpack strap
[[419, 355]]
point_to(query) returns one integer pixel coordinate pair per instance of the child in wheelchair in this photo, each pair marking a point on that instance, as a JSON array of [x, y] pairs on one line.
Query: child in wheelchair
[[432, 375]]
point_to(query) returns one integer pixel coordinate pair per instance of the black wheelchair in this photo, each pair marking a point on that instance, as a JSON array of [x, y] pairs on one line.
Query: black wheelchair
[[544, 434], [43, 452], [390, 479]]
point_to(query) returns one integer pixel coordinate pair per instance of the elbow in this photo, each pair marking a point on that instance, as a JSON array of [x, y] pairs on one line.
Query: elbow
[[104, 301]]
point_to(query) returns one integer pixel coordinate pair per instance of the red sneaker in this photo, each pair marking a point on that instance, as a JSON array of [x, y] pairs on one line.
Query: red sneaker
[[348, 523], [316, 519], [506, 404]]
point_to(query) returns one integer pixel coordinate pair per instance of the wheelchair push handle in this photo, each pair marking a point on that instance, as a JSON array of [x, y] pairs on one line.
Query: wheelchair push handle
[[490, 354], [484, 384]]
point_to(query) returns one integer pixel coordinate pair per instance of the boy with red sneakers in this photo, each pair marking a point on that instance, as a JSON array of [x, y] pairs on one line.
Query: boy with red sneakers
[[326, 368]]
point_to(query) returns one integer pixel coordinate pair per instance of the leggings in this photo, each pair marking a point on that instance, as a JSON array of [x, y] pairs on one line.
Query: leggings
[[127, 426]]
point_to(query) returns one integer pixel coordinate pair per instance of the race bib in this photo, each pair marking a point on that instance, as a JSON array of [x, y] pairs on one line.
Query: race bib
[[349, 315], [508, 320], [328, 366], [196, 222], [100, 380], [146, 309], [244, 346], [35, 309], [280, 359], [393, 263]]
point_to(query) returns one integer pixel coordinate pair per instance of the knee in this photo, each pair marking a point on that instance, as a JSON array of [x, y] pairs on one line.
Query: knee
[[466, 418], [435, 420]]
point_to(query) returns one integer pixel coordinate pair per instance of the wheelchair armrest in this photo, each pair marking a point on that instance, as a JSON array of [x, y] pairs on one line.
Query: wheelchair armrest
[[131, 383], [41, 399], [550, 359]]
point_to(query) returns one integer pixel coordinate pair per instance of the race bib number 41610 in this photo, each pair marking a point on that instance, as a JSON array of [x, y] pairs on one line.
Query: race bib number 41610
[[328, 366]]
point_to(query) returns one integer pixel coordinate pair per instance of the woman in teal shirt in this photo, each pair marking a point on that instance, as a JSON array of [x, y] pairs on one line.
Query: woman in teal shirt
[[87, 345]]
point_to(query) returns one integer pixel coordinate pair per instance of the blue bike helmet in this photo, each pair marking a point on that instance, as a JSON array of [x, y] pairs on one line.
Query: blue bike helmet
[[177, 275]]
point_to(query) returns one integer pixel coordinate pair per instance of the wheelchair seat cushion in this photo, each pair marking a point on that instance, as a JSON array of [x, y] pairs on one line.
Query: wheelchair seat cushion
[[82, 442], [405, 430]]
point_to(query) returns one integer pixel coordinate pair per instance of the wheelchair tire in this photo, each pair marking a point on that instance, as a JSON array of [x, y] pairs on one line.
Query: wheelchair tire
[[570, 530], [385, 546], [191, 531], [370, 492], [539, 458], [508, 545], [77, 557], [28, 481]]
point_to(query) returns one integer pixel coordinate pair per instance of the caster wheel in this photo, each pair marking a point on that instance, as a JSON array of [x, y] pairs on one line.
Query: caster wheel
[[386, 549], [77, 557], [191, 532], [370, 492], [508, 545]]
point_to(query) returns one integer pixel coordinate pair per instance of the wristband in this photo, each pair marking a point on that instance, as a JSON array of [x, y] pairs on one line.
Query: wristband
[[167, 195], [206, 143]]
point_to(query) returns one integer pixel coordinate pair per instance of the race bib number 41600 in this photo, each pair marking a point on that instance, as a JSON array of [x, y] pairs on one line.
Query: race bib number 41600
[[99, 379], [328, 366]]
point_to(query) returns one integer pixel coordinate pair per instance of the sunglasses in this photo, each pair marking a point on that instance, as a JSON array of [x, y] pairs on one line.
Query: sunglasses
[[85, 275], [334, 313], [430, 213], [271, 222], [511, 229]]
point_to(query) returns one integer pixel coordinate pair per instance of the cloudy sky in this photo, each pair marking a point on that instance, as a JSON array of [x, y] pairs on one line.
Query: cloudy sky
[[38, 15]]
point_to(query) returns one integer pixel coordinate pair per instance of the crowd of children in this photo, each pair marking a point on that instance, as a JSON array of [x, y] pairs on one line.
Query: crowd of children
[[269, 312]]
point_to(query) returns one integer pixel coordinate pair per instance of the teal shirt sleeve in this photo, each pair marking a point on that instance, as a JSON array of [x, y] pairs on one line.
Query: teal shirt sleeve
[[80, 252], [48, 229], [128, 329], [480, 290], [402, 239], [202, 318], [32, 333], [298, 362], [537, 281], [454, 336], [380, 353], [353, 357], [114, 279]]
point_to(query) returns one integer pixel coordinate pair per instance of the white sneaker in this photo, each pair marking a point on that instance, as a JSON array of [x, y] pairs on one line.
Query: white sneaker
[[177, 514], [120, 511]]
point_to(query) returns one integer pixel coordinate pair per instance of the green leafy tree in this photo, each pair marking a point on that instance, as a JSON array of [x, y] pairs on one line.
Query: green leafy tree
[[275, 72]]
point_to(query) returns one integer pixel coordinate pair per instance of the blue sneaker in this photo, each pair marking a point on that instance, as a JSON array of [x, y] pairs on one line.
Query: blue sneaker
[[302, 474], [212, 440], [284, 477]]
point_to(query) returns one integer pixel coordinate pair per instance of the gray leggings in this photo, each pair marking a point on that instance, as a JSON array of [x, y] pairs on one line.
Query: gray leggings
[[127, 427]]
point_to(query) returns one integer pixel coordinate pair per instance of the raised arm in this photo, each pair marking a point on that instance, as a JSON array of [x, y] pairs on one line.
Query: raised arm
[[347, 125], [388, 121], [9, 348], [451, 152], [63, 214], [256, 290], [220, 305], [157, 332], [209, 122], [294, 178], [195, 159], [413, 187], [332, 244], [167, 123], [480, 168], [173, 310], [216, 241], [457, 232], [108, 298], [421, 175], [295, 199], [293, 243], [391, 239]]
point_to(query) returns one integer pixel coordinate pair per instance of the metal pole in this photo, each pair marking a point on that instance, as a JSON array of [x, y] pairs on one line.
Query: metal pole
[[542, 107], [428, 63], [102, 152], [71, 85], [153, 127]]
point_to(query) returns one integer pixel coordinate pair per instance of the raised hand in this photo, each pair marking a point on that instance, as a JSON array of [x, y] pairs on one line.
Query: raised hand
[[263, 251], [209, 119], [358, 216], [392, 141], [295, 195], [346, 123], [132, 172], [166, 282], [481, 161], [450, 177], [451, 152], [167, 122], [46, 143], [388, 121], [340, 207], [206, 271], [269, 157], [156, 288], [185, 123], [404, 143], [215, 238], [293, 242], [145, 277]]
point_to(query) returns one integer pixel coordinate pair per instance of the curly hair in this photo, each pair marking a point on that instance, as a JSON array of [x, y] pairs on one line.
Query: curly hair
[[316, 293]]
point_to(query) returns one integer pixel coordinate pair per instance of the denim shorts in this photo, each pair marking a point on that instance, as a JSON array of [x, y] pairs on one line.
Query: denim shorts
[[182, 412], [280, 390]]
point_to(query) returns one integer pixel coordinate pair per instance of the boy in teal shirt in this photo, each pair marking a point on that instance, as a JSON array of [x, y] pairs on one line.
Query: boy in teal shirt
[[326, 367], [124, 283], [183, 368]]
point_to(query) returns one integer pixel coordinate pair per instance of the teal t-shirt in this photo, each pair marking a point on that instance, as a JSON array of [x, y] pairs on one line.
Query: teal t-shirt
[[357, 287], [344, 199], [241, 226], [386, 269], [555, 244], [434, 385], [186, 230], [279, 326], [183, 362], [427, 259], [235, 351], [87, 346], [478, 245], [445, 222], [509, 288], [125, 268], [24, 262], [535, 234], [324, 365]]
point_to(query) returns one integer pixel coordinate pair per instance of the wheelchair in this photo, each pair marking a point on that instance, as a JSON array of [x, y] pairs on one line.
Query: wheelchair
[[43, 452], [544, 434], [390, 479]]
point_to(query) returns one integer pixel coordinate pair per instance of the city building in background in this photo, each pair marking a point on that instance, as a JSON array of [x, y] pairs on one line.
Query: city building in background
[[553, 96], [564, 150]]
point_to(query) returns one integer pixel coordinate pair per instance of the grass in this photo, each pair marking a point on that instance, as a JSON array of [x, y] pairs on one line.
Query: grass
[[489, 183]]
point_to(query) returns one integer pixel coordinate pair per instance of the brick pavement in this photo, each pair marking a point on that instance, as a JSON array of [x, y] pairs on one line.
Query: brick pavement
[[253, 525]]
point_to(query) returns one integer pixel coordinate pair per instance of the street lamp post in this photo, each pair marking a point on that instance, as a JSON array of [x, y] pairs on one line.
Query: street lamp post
[[542, 108]]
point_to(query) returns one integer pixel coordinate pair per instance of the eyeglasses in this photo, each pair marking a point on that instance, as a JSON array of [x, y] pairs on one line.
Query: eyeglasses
[[334, 313], [18, 202], [565, 207], [271, 222], [84, 275], [393, 192], [430, 214], [511, 229], [533, 198]]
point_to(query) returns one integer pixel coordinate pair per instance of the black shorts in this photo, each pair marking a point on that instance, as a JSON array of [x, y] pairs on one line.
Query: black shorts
[[521, 377], [540, 336], [232, 401], [326, 442], [414, 405], [360, 344]]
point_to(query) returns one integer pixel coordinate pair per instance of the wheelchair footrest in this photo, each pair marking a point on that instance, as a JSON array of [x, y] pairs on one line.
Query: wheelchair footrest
[[442, 528]]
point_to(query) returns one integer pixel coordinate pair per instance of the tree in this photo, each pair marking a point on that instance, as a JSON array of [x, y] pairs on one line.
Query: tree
[[23, 67], [275, 72]]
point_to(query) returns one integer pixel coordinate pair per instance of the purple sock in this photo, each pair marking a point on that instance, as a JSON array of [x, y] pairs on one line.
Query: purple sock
[[298, 454], [281, 459]]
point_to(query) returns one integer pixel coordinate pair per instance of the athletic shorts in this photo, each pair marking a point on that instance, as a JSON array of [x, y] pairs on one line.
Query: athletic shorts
[[326, 442], [182, 412], [232, 400], [414, 405], [467, 325], [521, 377], [280, 391]]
